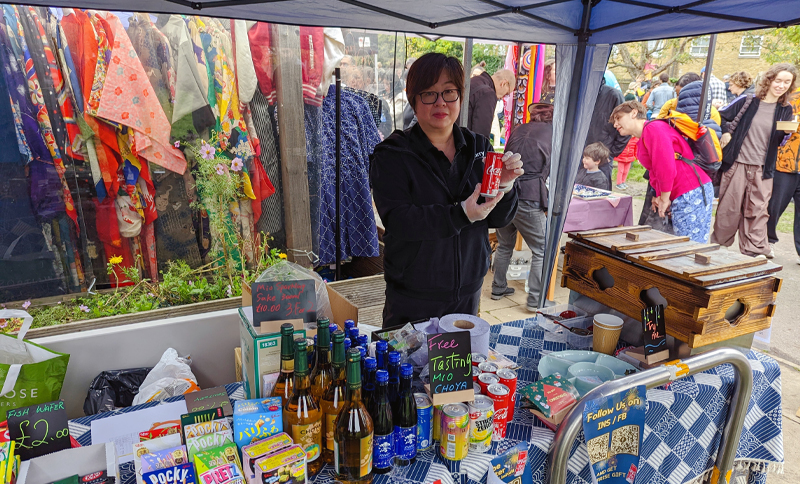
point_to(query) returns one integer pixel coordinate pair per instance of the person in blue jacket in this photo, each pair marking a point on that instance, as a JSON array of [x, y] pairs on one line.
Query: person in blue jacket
[[426, 184]]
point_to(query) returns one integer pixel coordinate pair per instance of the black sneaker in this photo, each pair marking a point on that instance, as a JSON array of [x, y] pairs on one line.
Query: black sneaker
[[507, 292]]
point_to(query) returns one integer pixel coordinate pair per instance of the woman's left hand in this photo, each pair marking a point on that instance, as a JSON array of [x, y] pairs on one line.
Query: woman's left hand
[[512, 168], [663, 205]]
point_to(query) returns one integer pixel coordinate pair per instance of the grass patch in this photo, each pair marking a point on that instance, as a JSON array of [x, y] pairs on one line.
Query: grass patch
[[786, 222], [636, 174]]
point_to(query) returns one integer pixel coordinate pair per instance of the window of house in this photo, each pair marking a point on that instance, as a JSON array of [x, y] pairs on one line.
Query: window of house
[[750, 46], [699, 46]]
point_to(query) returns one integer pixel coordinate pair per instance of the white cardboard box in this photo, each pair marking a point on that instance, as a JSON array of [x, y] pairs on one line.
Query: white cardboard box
[[66, 463]]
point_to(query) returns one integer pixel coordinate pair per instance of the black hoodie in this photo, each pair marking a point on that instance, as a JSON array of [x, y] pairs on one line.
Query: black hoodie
[[432, 250]]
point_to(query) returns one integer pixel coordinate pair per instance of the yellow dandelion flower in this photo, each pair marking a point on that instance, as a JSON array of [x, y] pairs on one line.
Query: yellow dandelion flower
[[282, 256], [116, 260]]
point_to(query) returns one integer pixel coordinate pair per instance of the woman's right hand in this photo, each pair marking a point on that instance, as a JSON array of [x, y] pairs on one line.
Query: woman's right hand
[[724, 140], [476, 211]]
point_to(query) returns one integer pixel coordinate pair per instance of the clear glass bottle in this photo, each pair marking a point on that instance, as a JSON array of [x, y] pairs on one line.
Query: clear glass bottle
[[394, 375], [369, 379], [302, 417], [354, 430], [333, 400], [381, 412], [284, 386], [322, 376], [404, 411]]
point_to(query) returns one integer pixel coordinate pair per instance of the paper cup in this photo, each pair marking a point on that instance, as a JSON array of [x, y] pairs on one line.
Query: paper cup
[[607, 328]]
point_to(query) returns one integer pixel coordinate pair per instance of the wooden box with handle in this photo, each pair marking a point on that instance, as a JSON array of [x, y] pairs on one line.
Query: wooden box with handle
[[712, 294]]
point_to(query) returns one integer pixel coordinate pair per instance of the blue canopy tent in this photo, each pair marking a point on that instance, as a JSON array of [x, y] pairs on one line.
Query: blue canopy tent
[[583, 31]]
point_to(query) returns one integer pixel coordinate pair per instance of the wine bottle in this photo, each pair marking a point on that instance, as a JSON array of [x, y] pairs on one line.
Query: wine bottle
[[381, 412], [354, 430], [301, 413], [284, 386], [369, 380], [404, 411], [382, 354], [347, 344], [363, 352], [333, 400], [322, 375], [363, 340], [353, 335], [394, 375]]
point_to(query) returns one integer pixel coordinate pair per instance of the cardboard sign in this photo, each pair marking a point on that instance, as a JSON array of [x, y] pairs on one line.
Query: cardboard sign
[[39, 429], [284, 300], [654, 336], [208, 399], [450, 366]]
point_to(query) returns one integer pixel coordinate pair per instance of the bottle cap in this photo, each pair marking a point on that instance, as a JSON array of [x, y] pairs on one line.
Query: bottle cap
[[315, 340], [287, 329], [347, 344], [349, 323], [353, 356], [406, 369], [323, 332], [363, 340], [382, 376], [363, 352], [370, 362], [382, 345], [354, 334], [394, 357], [338, 336]]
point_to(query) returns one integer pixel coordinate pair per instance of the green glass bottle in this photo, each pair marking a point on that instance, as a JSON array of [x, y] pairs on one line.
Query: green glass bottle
[[322, 376], [302, 417], [284, 386], [334, 398], [354, 430]]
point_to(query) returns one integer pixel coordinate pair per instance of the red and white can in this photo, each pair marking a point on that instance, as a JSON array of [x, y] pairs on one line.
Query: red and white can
[[492, 168], [502, 401], [509, 379], [488, 367], [486, 379], [476, 372], [478, 358]]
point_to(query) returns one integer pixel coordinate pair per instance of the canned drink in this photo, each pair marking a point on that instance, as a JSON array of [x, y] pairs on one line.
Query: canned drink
[[477, 388], [476, 372], [437, 422], [424, 421], [492, 168], [488, 367], [454, 443], [509, 379], [478, 358], [481, 424], [500, 395], [486, 379]]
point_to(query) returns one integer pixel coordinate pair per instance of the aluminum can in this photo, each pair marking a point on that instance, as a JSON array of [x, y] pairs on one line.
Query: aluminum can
[[481, 424], [492, 168], [454, 442], [476, 372], [502, 399], [478, 358], [486, 379], [477, 388], [509, 379], [424, 421], [437, 422], [488, 367]]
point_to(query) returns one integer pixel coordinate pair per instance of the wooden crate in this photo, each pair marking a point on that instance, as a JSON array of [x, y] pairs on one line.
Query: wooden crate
[[701, 282], [360, 299]]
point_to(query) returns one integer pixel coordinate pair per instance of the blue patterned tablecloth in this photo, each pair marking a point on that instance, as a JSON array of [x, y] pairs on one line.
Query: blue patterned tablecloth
[[681, 435]]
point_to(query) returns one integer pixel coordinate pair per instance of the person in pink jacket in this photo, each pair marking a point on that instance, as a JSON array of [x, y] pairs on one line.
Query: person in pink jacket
[[682, 189], [624, 162]]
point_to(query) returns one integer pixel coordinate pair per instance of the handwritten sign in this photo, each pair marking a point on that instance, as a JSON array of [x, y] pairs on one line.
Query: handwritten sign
[[450, 364], [655, 332], [208, 399], [39, 429], [284, 300]]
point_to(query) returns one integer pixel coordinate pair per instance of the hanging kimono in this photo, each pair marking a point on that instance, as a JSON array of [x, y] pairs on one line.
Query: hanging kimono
[[152, 48]]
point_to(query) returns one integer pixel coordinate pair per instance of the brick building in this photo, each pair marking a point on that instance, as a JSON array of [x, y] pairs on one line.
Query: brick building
[[736, 51]]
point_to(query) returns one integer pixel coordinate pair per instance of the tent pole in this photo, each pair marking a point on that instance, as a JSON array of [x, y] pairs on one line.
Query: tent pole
[[467, 72], [712, 47], [338, 75]]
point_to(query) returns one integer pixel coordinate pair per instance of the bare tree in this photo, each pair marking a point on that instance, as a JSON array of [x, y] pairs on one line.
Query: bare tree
[[635, 57]]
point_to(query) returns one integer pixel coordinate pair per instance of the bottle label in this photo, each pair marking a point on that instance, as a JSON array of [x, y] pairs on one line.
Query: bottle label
[[309, 437], [405, 442], [383, 451], [330, 427], [364, 457]]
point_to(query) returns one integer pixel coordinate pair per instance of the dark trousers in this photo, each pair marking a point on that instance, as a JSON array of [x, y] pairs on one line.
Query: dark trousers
[[785, 187], [400, 309], [607, 168]]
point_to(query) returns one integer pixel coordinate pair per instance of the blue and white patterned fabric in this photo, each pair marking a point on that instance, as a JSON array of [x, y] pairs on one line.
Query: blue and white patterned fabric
[[691, 215], [681, 435]]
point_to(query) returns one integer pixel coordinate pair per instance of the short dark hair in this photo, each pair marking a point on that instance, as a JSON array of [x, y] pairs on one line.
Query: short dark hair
[[425, 72], [627, 107], [664, 77], [689, 78], [598, 152]]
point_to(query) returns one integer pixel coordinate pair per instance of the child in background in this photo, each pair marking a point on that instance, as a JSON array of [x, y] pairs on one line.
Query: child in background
[[594, 155], [624, 161]]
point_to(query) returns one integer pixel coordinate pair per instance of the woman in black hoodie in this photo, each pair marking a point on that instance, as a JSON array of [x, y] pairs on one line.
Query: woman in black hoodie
[[426, 186]]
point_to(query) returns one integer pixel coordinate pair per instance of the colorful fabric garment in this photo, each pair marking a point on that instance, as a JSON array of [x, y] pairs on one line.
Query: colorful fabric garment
[[260, 48], [154, 54], [128, 99], [529, 82], [691, 216], [508, 102]]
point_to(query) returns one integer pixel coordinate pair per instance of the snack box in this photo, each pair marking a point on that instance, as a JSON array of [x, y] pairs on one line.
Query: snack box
[[552, 398], [213, 458], [182, 474], [224, 474], [163, 459], [254, 420], [204, 428], [161, 430], [251, 453], [286, 465], [194, 445], [150, 446]]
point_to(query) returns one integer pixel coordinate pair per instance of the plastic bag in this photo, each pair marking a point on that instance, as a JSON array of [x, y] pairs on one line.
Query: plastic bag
[[13, 351], [113, 389], [169, 378], [289, 271]]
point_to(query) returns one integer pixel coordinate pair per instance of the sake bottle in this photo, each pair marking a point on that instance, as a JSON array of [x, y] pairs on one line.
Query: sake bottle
[[302, 416], [404, 412], [354, 430], [322, 376], [333, 400], [381, 412], [284, 386]]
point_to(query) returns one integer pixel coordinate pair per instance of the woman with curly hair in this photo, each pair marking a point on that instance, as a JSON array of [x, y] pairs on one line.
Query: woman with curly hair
[[741, 83], [751, 140]]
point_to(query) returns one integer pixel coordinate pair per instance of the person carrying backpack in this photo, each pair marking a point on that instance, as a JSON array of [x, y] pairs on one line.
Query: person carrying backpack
[[682, 188], [750, 149]]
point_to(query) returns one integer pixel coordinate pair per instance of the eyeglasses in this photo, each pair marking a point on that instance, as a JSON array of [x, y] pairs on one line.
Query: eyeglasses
[[448, 96]]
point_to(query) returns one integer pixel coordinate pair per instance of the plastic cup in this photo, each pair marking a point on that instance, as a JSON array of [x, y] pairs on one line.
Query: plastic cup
[[607, 328]]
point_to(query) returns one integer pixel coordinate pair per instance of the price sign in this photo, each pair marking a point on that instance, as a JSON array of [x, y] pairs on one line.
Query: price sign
[[655, 331], [39, 429], [450, 366], [284, 300]]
